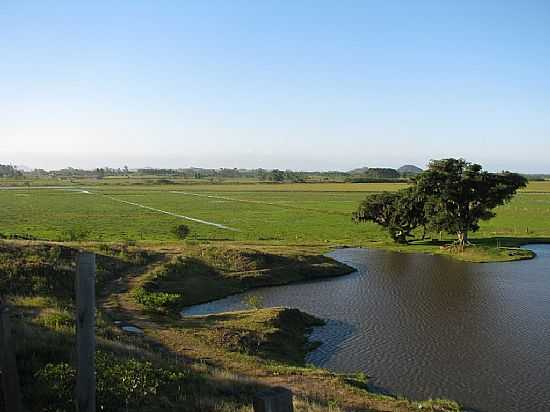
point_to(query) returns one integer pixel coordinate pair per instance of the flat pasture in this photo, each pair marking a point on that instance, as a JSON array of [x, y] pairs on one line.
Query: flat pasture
[[272, 213]]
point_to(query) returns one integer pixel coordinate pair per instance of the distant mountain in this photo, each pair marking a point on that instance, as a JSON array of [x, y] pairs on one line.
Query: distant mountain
[[409, 170], [359, 171], [375, 173]]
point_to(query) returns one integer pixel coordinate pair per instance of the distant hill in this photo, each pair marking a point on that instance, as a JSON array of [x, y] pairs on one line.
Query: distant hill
[[375, 173], [359, 171], [409, 170]]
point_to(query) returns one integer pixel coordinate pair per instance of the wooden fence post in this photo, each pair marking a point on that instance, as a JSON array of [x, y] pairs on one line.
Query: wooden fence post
[[85, 332], [274, 400], [10, 377]]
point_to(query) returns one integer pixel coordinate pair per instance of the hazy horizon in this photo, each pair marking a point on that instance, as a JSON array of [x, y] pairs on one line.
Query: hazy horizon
[[302, 86], [176, 165]]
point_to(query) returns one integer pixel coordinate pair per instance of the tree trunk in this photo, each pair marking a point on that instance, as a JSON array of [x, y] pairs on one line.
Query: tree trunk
[[462, 238]]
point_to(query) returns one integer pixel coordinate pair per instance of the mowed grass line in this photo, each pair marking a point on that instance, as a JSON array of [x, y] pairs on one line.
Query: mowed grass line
[[276, 203], [192, 219]]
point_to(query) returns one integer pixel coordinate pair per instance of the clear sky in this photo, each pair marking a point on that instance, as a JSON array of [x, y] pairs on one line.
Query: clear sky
[[286, 84]]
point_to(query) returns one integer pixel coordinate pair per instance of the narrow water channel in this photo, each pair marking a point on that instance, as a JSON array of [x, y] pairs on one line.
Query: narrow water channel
[[427, 326]]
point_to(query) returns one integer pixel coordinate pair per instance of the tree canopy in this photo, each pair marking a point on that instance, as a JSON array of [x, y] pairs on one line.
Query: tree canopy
[[452, 195], [9, 171], [399, 212]]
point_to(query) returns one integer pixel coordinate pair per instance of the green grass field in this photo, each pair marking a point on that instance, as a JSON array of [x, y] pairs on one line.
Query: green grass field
[[270, 213]]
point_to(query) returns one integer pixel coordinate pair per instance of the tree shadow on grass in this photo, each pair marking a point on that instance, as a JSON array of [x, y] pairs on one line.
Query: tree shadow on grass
[[491, 241], [509, 241]]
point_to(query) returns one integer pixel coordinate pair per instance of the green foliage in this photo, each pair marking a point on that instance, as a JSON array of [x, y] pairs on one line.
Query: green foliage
[[127, 252], [452, 196], [377, 180], [399, 212], [381, 173], [156, 301], [40, 276], [122, 385], [186, 266], [56, 383], [359, 380], [57, 320], [378, 208], [74, 234], [10, 171], [276, 175], [254, 302], [49, 270], [182, 231], [459, 194], [235, 259]]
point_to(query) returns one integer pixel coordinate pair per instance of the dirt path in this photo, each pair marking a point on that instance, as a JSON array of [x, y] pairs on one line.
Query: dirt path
[[117, 297]]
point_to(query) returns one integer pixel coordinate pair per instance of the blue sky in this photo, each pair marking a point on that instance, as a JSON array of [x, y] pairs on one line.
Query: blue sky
[[287, 84]]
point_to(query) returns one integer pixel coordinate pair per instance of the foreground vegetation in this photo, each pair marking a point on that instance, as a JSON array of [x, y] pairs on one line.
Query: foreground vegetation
[[205, 363]]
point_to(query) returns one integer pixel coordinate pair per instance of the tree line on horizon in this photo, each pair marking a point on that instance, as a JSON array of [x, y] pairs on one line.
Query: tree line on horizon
[[364, 174], [10, 171], [360, 175]]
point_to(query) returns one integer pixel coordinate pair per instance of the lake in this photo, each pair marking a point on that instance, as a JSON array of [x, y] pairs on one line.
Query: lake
[[428, 326]]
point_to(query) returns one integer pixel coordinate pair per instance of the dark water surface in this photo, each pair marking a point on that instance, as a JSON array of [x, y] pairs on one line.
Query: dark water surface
[[427, 326]]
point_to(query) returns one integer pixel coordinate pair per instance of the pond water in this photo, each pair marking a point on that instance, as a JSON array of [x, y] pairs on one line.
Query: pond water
[[428, 326]]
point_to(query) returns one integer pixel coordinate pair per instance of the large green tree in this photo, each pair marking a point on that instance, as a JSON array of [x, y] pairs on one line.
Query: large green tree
[[459, 194], [452, 195]]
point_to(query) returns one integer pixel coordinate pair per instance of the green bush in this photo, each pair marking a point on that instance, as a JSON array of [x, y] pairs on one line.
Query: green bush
[[182, 231], [127, 252], [122, 385], [56, 385], [57, 320], [75, 235], [39, 277], [254, 302], [156, 300]]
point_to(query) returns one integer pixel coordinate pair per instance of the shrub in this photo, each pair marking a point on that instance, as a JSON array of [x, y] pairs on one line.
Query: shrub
[[75, 235], [56, 385], [122, 385], [181, 231], [39, 277], [254, 302], [128, 252], [156, 300]]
